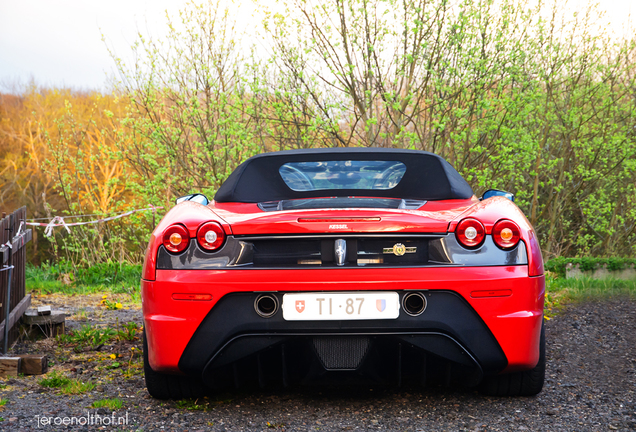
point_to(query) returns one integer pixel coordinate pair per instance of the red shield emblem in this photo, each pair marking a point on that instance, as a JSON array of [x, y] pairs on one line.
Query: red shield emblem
[[380, 304], [300, 305]]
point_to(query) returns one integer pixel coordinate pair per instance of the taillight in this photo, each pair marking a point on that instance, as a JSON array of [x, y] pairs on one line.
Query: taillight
[[506, 234], [210, 236], [176, 238], [470, 232]]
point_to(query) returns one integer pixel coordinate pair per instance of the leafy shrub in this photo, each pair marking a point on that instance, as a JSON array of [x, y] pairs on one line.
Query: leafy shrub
[[558, 265]]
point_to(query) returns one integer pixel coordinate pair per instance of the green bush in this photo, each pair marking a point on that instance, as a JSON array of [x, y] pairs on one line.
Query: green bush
[[558, 265]]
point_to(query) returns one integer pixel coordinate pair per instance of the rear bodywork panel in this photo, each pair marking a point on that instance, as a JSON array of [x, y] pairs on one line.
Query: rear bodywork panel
[[480, 304]]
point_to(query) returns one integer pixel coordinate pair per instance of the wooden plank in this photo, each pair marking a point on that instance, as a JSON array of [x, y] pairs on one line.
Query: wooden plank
[[44, 310], [16, 313], [9, 366], [33, 364], [17, 243], [32, 318]]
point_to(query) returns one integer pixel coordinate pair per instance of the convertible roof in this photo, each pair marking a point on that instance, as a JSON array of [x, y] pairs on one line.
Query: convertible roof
[[427, 176]]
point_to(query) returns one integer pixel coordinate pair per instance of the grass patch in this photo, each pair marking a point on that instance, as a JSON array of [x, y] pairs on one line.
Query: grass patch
[[192, 405], [128, 331], [118, 278], [3, 402], [88, 336], [67, 385], [560, 291], [75, 387], [54, 380], [112, 404]]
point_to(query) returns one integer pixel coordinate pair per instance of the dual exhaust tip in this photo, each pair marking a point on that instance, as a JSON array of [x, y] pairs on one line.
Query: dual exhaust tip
[[413, 303]]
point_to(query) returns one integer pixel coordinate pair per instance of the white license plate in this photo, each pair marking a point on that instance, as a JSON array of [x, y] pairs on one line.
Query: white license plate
[[341, 306]]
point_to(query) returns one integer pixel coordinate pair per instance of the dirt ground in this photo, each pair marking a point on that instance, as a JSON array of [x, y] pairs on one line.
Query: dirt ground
[[590, 386]]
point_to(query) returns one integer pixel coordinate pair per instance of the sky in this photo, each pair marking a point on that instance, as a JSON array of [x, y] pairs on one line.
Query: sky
[[58, 43]]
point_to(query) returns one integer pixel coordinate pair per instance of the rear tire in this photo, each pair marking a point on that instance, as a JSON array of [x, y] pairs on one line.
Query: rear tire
[[525, 383], [164, 386]]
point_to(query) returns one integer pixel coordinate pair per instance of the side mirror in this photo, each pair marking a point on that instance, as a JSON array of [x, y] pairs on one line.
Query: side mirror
[[494, 192], [197, 197]]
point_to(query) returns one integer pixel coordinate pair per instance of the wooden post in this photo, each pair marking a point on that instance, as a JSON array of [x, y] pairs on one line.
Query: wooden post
[[9, 366], [34, 364]]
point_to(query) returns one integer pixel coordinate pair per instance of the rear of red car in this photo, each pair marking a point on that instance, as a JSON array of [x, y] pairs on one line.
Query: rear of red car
[[347, 286]]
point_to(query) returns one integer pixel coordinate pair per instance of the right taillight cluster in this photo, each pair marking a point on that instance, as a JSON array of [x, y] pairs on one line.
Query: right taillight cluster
[[471, 233], [210, 237], [506, 234]]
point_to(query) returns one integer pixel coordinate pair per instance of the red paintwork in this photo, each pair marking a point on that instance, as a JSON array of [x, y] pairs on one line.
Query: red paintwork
[[287, 222], [512, 318], [171, 323]]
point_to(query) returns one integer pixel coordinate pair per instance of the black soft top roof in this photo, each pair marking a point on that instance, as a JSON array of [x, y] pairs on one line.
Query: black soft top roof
[[427, 176]]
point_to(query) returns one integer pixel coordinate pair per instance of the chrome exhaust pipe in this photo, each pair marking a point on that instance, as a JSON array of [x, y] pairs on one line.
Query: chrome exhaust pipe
[[414, 303], [266, 305]]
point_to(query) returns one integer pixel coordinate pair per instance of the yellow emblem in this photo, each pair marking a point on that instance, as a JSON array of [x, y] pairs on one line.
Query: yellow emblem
[[399, 249]]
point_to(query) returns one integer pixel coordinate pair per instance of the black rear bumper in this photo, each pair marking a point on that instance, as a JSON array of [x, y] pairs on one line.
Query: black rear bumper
[[234, 344]]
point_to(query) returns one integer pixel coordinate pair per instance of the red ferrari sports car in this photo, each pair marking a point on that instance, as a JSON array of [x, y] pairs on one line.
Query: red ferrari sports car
[[344, 265]]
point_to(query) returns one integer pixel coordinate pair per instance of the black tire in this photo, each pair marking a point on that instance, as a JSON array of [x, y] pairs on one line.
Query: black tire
[[525, 383], [164, 386]]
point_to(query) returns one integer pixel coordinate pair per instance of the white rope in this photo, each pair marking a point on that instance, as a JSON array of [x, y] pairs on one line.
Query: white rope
[[59, 221]]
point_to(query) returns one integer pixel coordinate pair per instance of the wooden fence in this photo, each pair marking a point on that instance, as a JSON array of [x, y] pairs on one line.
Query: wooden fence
[[14, 236]]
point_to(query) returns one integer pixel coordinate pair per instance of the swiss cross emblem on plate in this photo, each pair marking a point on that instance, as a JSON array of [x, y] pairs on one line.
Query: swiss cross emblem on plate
[[300, 305]]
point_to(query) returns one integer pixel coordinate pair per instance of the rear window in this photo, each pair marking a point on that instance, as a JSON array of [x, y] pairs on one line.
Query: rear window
[[345, 174]]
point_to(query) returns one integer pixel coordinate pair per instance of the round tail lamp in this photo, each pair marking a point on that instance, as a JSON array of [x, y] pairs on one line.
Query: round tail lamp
[[470, 232], [506, 234], [176, 238], [210, 236]]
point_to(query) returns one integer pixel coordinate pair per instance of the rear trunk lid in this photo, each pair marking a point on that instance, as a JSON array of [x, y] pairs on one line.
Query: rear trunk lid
[[432, 217]]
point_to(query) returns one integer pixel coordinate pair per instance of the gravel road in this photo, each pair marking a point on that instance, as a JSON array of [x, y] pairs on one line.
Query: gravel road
[[591, 380]]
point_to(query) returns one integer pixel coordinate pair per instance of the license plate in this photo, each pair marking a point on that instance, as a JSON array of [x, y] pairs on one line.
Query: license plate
[[341, 306]]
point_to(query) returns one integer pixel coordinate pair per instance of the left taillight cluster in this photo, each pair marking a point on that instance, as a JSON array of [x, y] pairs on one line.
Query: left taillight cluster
[[471, 233], [210, 237]]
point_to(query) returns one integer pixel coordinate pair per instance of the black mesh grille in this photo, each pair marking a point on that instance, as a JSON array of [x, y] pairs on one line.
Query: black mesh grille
[[320, 252], [286, 253], [341, 352]]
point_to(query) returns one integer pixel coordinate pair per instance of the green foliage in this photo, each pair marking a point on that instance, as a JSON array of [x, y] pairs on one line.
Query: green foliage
[[539, 107], [67, 278], [111, 305], [560, 291], [192, 405], [128, 332], [112, 404], [54, 379], [75, 386], [578, 289], [517, 95], [558, 265], [88, 337]]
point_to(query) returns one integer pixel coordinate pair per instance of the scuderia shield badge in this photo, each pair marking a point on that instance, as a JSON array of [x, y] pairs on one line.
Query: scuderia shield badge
[[399, 249]]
